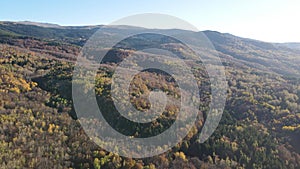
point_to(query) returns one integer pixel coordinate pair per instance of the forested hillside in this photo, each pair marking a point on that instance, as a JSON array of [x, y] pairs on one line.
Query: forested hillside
[[260, 126]]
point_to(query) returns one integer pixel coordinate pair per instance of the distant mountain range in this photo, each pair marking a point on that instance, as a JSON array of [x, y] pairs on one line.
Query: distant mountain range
[[292, 45], [282, 58], [46, 25]]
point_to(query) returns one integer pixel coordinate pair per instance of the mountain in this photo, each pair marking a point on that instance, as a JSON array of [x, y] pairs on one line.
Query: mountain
[[46, 25], [258, 54], [40, 127], [73, 35], [266, 56], [290, 45]]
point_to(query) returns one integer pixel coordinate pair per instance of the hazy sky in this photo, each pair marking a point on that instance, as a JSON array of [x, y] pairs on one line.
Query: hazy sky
[[267, 20]]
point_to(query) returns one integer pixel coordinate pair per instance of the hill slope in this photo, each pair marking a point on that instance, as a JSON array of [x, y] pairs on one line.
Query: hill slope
[[259, 128]]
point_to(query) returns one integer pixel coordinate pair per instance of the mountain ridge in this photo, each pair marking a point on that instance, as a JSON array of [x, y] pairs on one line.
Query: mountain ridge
[[279, 58], [52, 25]]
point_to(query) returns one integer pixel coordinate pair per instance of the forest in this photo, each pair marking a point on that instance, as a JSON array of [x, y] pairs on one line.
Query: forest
[[39, 127]]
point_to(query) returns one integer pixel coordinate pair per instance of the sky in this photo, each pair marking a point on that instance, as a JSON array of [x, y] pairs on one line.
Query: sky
[[266, 20]]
